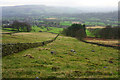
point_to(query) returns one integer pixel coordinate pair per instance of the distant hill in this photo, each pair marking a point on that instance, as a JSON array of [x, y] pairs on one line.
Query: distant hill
[[36, 10], [80, 14]]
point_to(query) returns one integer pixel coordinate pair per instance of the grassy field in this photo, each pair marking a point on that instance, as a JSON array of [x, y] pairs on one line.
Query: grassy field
[[30, 37], [44, 29], [64, 58], [104, 41], [55, 30], [95, 27], [8, 30], [89, 33], [37, 29], [66, 23]]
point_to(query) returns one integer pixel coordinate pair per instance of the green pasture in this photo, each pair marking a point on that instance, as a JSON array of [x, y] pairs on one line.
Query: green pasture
[[24, 37], [64, 58], [66, 23]]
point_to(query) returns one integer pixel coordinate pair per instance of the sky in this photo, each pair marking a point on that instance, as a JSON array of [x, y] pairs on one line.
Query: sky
[[63, 3]]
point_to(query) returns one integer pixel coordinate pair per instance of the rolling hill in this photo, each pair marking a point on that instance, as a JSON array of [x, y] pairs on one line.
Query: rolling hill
[[36, 10]]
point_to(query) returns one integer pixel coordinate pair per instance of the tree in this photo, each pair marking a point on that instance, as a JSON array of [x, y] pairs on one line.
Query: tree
[[109, 33], [76, 30], [21, 26]]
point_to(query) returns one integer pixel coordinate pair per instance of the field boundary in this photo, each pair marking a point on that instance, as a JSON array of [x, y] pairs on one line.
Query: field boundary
[[10, 48], [116, 47]]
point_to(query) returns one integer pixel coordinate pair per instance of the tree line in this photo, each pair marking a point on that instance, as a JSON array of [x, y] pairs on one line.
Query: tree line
[[79, 31], [108, 33], [21, 26]]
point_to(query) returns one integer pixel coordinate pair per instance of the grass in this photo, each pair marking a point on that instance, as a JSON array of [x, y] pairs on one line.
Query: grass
[[51, 29], [89, 61], [27, 37], [89, 33], [55, 30], [66, 23], [96, 27], [8, 30], [37, 29], [107, 41]]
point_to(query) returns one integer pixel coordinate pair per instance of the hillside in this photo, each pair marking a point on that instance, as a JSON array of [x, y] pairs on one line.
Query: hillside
[[24, 37], [36, 10], [41, 10], [64, 58], [57, 16]]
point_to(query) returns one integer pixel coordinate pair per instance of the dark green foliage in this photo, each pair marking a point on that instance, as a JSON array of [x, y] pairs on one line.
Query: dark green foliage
[[76, 30], [109, 33], [21, 26]]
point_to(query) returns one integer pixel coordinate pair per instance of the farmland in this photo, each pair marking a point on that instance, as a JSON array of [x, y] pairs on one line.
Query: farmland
[[47, 29], [27, 27], [95, 27], [113, 42], [27, 37], [68, 23], [43, 41], [66, 57], [21, 37], [38, 29]]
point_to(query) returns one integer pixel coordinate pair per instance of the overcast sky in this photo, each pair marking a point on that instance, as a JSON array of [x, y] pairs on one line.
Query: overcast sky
[[66, 3]]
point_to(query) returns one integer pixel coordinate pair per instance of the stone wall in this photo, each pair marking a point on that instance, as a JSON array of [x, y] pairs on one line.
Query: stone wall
[[11, 48]]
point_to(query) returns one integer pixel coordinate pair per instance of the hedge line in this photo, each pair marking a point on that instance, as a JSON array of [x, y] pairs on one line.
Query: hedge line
[[11, 48]]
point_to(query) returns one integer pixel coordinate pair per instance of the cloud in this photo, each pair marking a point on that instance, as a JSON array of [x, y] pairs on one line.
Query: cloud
[[69, 3]]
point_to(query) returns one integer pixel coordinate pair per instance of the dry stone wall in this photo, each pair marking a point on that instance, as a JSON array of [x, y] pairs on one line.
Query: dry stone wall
[[11, 48]]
